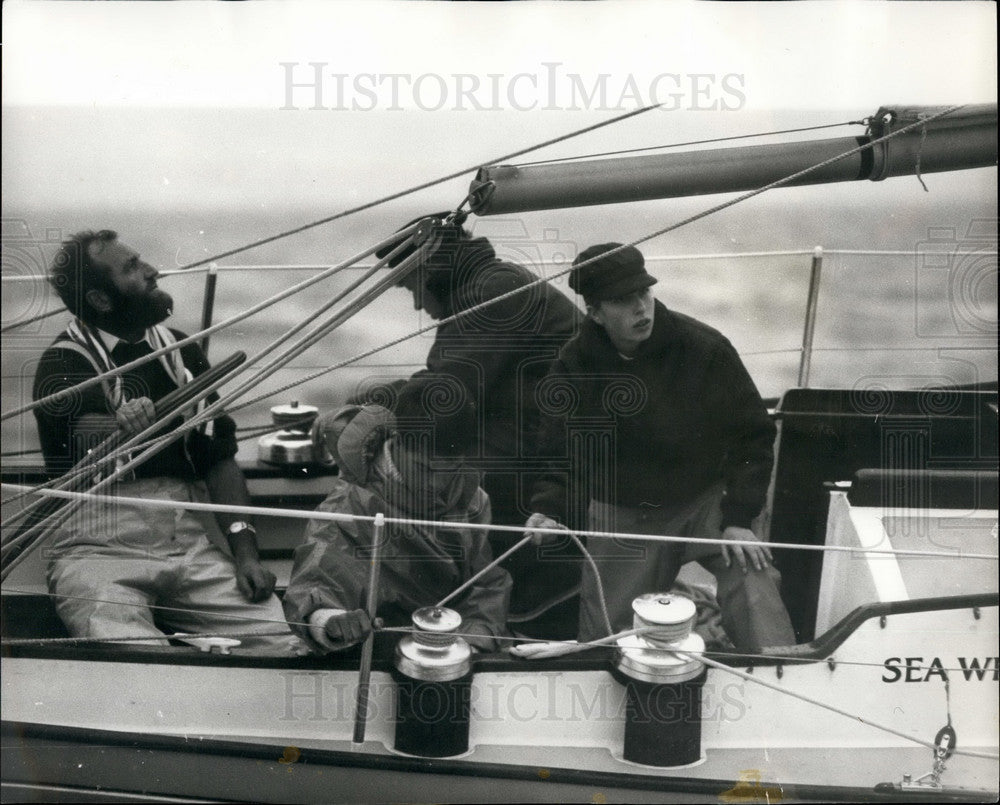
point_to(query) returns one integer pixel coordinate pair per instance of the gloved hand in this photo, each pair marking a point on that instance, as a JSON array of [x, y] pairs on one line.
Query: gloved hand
[[339, 629]]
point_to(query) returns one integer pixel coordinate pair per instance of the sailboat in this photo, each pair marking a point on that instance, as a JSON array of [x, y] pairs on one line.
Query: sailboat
[[883, 512]]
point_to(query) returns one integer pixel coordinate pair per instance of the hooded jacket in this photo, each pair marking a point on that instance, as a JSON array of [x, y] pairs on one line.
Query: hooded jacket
[[420, 564], [678, 418]]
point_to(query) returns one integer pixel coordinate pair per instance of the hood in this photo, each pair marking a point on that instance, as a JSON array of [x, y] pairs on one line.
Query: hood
[[354, 437], [357, 436]]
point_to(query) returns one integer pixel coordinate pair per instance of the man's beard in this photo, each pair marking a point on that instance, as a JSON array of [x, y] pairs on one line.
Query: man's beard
[[137, 311]]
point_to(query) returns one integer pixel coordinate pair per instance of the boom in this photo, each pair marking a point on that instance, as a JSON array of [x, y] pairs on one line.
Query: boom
[[966, 138]]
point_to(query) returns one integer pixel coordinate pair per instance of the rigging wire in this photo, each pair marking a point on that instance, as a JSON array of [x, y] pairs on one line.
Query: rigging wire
[[705, 213], [369, 205], [487, 303], [690, 142], [162, 608], [79, 387], [126, 450], [690, 219]]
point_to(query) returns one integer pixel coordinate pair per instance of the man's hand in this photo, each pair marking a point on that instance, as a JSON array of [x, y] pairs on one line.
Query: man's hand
[[254, 580], [135, 415], [759, 556], [538, 520]]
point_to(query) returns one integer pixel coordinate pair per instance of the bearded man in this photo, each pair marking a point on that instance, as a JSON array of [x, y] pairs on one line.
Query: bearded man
[[113, 567]]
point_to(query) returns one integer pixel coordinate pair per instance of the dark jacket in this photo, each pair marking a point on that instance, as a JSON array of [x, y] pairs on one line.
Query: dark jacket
[[63, 445], [659, 429], [501, 352]]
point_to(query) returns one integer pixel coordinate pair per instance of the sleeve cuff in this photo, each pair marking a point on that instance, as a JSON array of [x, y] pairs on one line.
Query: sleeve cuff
[[317, 626]]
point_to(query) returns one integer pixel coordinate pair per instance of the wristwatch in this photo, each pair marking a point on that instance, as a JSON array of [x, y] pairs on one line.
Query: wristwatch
[[239, 527]]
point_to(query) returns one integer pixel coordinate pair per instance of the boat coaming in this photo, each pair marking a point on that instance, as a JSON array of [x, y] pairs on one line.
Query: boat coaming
[[546, 726], [172, 721]]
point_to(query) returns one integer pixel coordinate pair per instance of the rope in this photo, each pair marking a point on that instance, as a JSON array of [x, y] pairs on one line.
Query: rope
[[188, 610], [691, 219], [32, 320], [600, 584], [68, 641], [301, 514], [13, 453], [462, 587], [570, 648], [692, 142]]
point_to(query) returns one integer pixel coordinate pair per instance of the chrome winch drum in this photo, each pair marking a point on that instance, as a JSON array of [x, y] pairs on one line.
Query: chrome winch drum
[[433, 674], [291, 446], [663, 688]]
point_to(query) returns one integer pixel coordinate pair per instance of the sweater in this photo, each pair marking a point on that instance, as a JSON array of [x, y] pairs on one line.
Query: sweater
[[679, 417]]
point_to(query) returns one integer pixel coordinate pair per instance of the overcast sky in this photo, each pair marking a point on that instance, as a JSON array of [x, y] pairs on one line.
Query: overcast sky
[[171, 120], [793, 55], [213, 104]]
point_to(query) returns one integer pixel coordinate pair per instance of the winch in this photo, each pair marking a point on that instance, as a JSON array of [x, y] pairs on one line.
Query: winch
[[663, 682], [433, 673], [291, 446]]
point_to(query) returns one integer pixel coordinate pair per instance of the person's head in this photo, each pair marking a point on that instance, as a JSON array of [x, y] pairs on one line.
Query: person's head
[[436, 428], [617, 292], [107, 284], [430, 280]]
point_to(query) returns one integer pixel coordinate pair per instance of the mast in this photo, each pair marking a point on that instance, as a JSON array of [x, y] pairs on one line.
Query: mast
[[965, 138]]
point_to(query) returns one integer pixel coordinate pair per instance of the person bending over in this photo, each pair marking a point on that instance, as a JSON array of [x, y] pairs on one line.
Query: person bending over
[[411, 464]]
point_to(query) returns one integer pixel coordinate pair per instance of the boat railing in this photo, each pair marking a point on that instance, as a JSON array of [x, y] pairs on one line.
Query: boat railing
[[812, 261], [815, 267]]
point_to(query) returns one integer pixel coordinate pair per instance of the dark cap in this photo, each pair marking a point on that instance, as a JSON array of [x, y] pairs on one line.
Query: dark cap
[[618, 274], [449, 234]]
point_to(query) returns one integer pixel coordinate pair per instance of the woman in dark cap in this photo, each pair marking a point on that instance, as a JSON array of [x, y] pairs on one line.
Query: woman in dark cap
[[679, 443]]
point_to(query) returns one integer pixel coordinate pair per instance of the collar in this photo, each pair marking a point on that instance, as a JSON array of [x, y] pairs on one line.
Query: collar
[[111, 341]]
